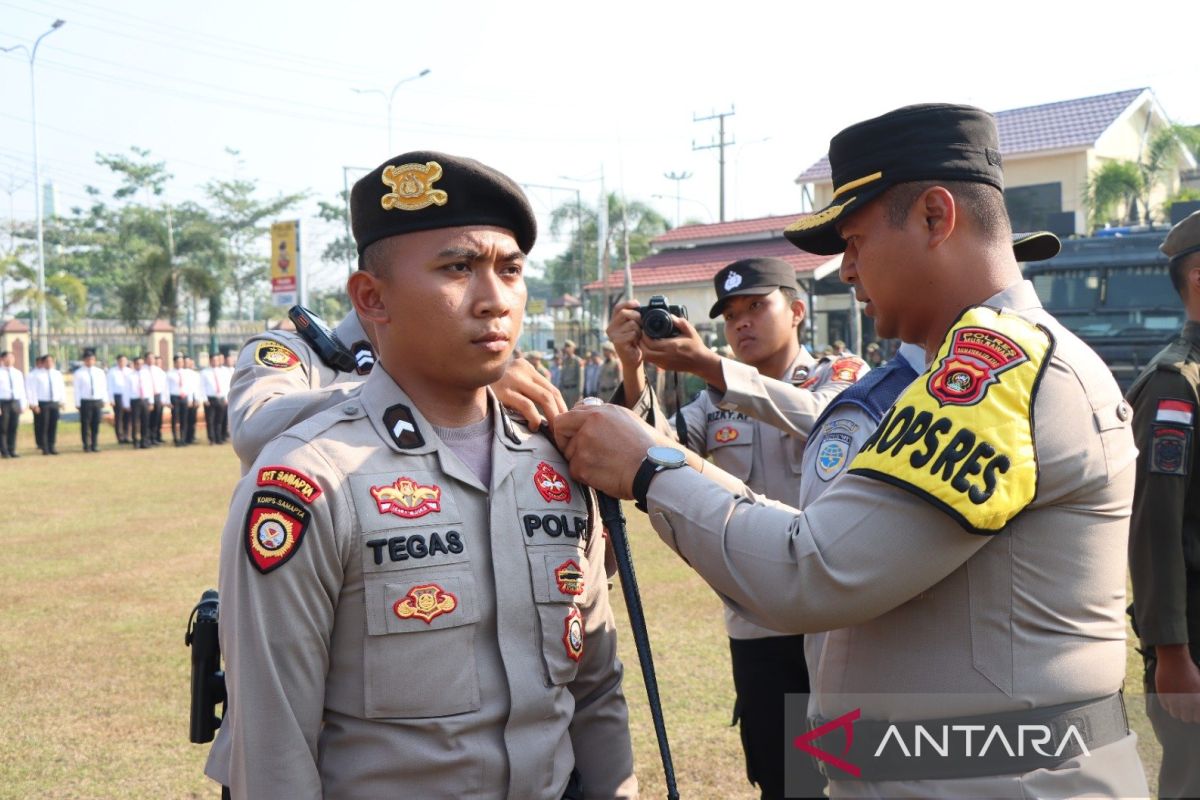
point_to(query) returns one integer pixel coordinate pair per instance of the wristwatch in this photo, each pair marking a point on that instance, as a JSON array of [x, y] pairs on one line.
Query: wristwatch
[[658, 459]]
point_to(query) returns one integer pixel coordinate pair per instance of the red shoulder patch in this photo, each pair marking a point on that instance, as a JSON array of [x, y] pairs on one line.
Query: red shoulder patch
[[846, 369], [274, 531], [292, 480]]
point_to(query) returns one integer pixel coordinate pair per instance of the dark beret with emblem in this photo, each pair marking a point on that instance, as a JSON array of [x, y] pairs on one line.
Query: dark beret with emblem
[[751, 276], [1184, 238], [424, 190], [933, 141]]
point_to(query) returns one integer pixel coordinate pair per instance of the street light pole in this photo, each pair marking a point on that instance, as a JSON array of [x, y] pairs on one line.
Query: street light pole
[[43, 337], [390, 96]]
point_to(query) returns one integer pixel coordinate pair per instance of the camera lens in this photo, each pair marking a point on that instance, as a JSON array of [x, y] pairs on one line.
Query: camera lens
[[657, 324]]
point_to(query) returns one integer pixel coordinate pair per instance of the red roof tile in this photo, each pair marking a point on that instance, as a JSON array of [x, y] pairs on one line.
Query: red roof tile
[[690, 265], [741, 227]]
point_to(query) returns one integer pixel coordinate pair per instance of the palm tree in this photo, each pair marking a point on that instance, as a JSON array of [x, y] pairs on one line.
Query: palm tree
[[568, 269], [1133, 182], [1113, 184], [66, 295]]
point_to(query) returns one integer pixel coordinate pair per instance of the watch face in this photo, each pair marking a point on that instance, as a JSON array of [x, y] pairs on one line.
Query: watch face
[[669, 457]]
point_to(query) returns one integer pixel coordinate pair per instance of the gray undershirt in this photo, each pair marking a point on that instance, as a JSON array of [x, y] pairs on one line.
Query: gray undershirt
[[473, 445]]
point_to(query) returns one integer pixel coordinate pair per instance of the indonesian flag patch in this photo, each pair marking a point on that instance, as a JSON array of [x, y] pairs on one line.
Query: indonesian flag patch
[[1177, 412], [274, 530]]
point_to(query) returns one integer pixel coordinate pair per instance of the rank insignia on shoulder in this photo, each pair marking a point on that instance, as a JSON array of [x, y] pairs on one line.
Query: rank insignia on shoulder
[[295, 482], [569, 577], [1169, 453], [1179, 412], [426, 603], [412, 186], [275, 527], [407, 498], [573, 634], [552, 486], [364, 357], [726, 435], [403, 428], [275, 355]]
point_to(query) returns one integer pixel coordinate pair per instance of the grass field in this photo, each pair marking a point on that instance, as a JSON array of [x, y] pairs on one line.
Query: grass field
[[104, 556]]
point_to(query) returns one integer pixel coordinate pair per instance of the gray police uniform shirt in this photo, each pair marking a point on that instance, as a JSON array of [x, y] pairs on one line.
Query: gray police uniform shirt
[[280, 380], [756, 431], [391, 627], [1030, 616]]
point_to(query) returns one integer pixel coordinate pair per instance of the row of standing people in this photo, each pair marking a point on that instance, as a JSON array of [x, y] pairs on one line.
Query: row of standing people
[[138, 393]]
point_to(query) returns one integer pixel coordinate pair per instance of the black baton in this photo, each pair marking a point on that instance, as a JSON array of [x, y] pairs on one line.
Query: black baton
[[614, 521]]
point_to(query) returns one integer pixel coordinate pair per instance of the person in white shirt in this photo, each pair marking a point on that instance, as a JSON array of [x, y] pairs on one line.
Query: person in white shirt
[[193, 396], [91, 395], [47, 393], [141, 397], [216, 388], [178, 402], [160, 399], [118, 390], [12, 403]]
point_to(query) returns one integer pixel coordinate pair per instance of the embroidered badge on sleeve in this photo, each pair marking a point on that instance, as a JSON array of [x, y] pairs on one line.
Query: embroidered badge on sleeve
[[275, 355], [573, 634], [274, 530], [1179, 412], [1170, 450], [962, 437], [295, 482]]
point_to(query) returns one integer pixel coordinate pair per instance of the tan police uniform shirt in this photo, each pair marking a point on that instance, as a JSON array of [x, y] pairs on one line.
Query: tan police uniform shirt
[[1030, 616], [756, 431], [280, 380], [393, 628], [570, 379]]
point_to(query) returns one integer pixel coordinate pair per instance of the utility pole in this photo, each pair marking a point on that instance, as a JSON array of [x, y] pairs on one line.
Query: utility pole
[[720, 144], [677, 177]]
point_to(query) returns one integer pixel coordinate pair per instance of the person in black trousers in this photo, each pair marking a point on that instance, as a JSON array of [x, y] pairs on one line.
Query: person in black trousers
[[91, 394]]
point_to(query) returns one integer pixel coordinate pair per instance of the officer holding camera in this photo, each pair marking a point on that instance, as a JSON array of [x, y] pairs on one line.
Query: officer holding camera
[[753, 421]]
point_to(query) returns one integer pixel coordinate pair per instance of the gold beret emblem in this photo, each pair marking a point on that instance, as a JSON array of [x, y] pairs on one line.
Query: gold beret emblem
[[412, 187]]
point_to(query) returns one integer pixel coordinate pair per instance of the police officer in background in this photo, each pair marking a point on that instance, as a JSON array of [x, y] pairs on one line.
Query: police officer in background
[[119, 385], [1164, 543], [571, 374], [753, 421], [91, 395], [413, 591], [948, 558]]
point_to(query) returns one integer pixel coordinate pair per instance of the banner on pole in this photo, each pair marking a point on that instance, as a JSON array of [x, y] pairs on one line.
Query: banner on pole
[[285, 262]]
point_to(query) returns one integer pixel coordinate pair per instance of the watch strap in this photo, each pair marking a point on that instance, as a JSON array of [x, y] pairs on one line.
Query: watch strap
[[641, 482]]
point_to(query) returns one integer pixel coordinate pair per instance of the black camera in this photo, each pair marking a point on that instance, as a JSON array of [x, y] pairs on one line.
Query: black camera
[[656, 318]]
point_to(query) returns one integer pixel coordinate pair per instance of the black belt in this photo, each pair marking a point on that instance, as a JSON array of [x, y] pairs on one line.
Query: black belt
[[1071, 728]]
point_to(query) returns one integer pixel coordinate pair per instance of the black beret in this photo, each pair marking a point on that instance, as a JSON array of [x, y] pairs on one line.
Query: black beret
[[751, 276], [935, 141], [424, 190]]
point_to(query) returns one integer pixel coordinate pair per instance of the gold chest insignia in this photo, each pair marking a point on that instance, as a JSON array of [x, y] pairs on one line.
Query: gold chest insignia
[[425, 603], [412, 187]]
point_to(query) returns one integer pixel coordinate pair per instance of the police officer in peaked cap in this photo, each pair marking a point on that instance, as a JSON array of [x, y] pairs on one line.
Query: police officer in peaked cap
[[970, 560]]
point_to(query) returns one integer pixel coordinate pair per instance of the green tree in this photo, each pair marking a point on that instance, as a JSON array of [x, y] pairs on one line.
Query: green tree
[[1131, 184], [66, 296], [342, 249], [566, 271], [245, 221]]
